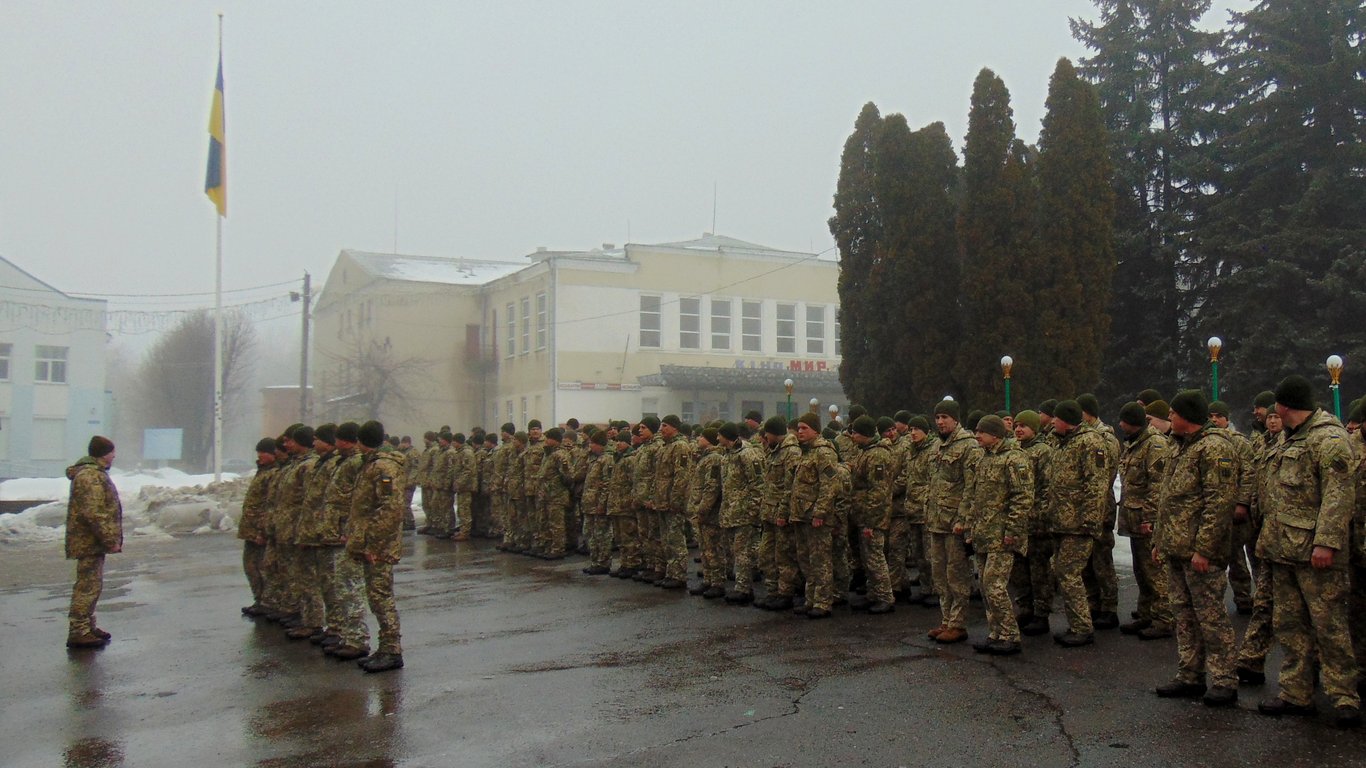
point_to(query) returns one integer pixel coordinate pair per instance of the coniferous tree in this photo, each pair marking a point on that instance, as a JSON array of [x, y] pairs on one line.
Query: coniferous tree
[[857, 229], [1076, 235], [1287, 231]]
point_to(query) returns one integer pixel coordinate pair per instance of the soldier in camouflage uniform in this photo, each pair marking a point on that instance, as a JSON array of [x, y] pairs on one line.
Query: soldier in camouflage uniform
[[1191, 536], [411, 464], [812, 504], [704, 506], [622, 506], [557, 471], [515, 534], [347, 635], [1033, 576], [464, 475], [1078, 509], [1141, 468], [274, 566], [251, 525], [596, 501], [440, 502], [647, 516], [310, 535], [916, 472], [778, 560], [374, 539], [498, 485], [533, 459], [426, 476], [899, 532], [1239, 575], [672, 469], [1305, 535], [294, 486], [1257, 636], [742, 496], [94, 528], [872, 477], [1102, 585], [996, 518], [956, 456], [1358, 571]]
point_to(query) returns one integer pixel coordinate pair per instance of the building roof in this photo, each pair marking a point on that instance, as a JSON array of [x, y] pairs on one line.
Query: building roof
[[737, 379], [434, 269]]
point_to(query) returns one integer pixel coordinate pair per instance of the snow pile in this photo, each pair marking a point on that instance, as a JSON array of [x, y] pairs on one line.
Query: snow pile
[[156, 503]]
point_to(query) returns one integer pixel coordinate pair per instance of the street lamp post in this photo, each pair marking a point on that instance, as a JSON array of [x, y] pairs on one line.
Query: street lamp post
[[815, 405], [1006, 362], [1334, 364], [787, 385], [1215, 344]]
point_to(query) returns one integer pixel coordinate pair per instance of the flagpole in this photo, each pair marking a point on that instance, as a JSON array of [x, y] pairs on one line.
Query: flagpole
[[218, 321]]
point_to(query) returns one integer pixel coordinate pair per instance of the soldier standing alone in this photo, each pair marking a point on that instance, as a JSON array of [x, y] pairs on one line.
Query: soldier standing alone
[[94, 528]]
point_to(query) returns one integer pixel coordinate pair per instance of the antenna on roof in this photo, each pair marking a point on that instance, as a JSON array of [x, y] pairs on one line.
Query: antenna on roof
[[713, 207]]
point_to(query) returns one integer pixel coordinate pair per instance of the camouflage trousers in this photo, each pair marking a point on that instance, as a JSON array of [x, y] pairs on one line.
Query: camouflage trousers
[[1154, 604], [813, 555], [285, 571], [873, 554], [715, 554], [440, 508], [273, 574], [1309, 613], [786, 562], [253, 560], [1258, 635], [952, 577], [379, 593], [518, 531], [481, 515], [741, 541], [312, 609], [342, 592], [1031, 578], [995, 568], [1204, 636], [647, 533], [1239, 576], [898, 552], [551, 535], [764, 553], [841, 553], [628, 540], [1069, 562], [498, 510], [918, 557], [462, 516], [84, 594], [1102, 584], [599, 540], [674, 543], [408, 520]]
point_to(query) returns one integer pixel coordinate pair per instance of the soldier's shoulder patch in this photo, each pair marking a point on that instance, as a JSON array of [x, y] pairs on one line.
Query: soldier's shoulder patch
[[879, 471], [829, 471], [1099, 456], [1339, 464], [1160, 464]]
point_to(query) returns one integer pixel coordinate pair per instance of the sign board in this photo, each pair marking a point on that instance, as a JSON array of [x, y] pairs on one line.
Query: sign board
[[162, 444]]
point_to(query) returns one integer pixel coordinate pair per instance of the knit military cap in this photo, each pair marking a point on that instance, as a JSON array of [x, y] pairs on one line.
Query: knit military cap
[[919, 422], [1295, 393], [1068, 411], [508, 427], [672, 420], [1047, 406], [1264, 399], [810, 420], [326, 433], [458, 438], [1089, 404], [1133, 414], [884, 423], [598, 438], [1158, 409], [1358, 413], [1004, 414], [1219, 408], [864, 425], [730, 430], [651, 423], [265, 445], [1027, 419], [371, 434], [348, 431], [829, 434], [754, 416], [1149, 396], [533, 424], [974, 416], [903, 417], [554, 433], [776, 425], [947, 408], [1191, 405], [856, 411], [303, 435], [445, 436], [709, 434], [100, 446], [992, 424]]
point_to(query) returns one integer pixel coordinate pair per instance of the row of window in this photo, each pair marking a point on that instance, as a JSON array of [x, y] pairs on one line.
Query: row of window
[[49, 363], [512, 320], [721, 330]]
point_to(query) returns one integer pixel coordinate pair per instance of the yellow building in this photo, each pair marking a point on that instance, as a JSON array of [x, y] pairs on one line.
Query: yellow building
[[707, 328]]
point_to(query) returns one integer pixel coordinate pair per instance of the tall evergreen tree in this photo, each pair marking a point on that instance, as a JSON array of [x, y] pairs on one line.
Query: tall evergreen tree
[[1076, 234], [1288, 227], [1152, 66], [857, 229]]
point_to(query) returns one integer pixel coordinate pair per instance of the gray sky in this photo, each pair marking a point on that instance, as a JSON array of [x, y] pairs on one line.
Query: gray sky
[[496, 127]]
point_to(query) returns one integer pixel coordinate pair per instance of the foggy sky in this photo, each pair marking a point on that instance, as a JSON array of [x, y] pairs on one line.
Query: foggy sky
[[493, 127]]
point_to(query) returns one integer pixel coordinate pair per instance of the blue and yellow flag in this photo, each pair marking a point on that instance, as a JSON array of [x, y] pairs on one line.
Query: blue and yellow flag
[[216, 180]]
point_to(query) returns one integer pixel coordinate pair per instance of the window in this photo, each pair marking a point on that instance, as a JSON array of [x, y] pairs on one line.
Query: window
[[689, 323], [524, 419], [787, 329], [512, 417], [6, 352], [723, 410], [649, 321], [752, 326], [688, 412], [542, 313], [837, 335], [815, 330], [512, 330], [782, 407], [720, 323], [51, 365], [752, 405], [526, 324]]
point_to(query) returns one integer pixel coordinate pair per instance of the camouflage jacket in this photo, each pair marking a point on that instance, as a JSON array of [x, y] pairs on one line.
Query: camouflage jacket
[[672, 465], [1039, 451], [871, 472], [953, 464], [643, 479], [704, 490], [779, 467], [375, 527], [309, 530], [1247, 463], [464, 469], [251, 526], [916, 471], [901, 452], [532, 460], [484, 456], [845, 447], [1358, 444], [514, 477], [557, 475], [619, 500], [293, 487], [999, 500], [1197, 497], [94, 514], [502, 457], [1313, 498], [429, 464], [412, 464], [337, 498], [596, 484], [1079, 484], [1262, 447], [815, 483], [742, 486], [1140, 468]]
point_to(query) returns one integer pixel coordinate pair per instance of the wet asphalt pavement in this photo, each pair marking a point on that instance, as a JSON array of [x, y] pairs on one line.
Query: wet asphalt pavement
[[518, 662]]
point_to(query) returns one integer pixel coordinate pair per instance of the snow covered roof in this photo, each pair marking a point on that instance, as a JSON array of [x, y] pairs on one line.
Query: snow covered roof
[[434, 269]]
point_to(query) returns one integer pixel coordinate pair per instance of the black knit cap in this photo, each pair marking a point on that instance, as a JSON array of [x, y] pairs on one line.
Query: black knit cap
[[1067, 411], [651, 423], [672, 420], [1219, 408], [1264, 399], [1191, 405], [458, 438], [1133, 414], [1149, 395], [948, 408], [885, 423], [554, 433], [730, 430], [348, 431], [865, 426], [303, 435], [599, 438], [754, 416], [1047, 406], [326, 433], [710, 434], [903, 417], [100, 446], [1295, 393], [776, 425], [856, 411], [918, 422], [371, 434], [265, 445], [1089, 404], [992, 424], [974, 416], [811, 420], [533, 424]]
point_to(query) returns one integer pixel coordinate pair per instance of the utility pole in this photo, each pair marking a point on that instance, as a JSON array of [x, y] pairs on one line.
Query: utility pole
[[303, 352]]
